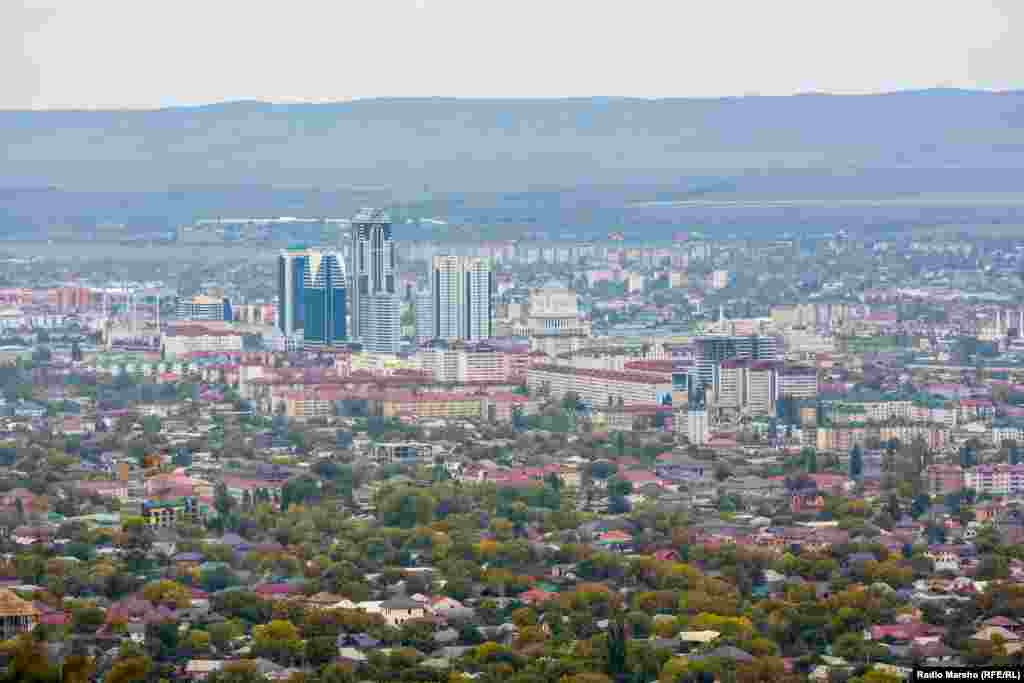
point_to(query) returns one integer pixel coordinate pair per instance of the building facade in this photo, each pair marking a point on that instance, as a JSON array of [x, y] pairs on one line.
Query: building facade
[[374, 305], [710, 351], [291, 284], [462, 298], [598, 387], [380, 316], [324, 300], [424, 309], [203, 308]]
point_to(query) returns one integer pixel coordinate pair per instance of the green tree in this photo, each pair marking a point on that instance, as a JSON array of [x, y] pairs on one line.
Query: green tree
[[810, 460], [615, 660], [223, 502], [406, 507], [919, 505], [856, 462], [619, 488], [87, 619]]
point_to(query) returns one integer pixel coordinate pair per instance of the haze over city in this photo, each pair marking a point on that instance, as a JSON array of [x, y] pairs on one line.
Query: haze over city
[[441, 341]]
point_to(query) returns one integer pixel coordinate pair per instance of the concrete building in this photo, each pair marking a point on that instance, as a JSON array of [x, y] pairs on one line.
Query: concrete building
[[374, 306], [552, 310], [697, 425], [710, 351], [462, 298], [797, 381], [996, 480], [719, 279], [183, 340], [942, 479], [429, 405], [761, 388], [381, 321], [203, 307], [464, 364], [598, 387], [291, 282], [424, 309], [16, 615]]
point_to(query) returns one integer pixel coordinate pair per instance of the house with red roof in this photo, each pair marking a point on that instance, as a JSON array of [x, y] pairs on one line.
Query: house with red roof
[[536, 596]]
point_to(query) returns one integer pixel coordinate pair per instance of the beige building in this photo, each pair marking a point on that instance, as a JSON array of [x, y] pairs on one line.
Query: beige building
[[464, 364], [598, 387], [16, 615], [189, 339]]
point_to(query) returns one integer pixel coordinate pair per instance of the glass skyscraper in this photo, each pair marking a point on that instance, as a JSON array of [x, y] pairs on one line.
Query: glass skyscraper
[[324, 300], [312, 296]]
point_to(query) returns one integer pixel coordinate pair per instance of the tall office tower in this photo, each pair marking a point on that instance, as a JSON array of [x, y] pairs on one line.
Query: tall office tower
[[324, 300], [291, 283], [710, 351], [462, 298], [373, 297], [424, 316]]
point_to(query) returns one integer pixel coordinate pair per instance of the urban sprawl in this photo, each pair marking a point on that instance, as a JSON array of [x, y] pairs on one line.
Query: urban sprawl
[[531, 460]]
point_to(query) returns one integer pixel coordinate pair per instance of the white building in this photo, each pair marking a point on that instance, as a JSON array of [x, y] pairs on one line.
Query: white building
[[462, 298], [424, 317], [598, 388], [182, 340], [465, 364], [380, 318], [697, 426]]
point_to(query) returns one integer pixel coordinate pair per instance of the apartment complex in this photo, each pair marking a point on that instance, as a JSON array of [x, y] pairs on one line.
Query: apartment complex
[[374, 306], [462, 364], [711, 351], [202, 307], [183, 340], [599, 387], [943, 478], [462, 292]]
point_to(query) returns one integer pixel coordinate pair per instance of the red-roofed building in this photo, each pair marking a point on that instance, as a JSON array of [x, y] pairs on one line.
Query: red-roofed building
[[536, 596]]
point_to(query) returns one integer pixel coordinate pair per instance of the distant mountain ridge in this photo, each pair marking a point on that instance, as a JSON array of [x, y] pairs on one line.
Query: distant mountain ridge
[[467, 145]]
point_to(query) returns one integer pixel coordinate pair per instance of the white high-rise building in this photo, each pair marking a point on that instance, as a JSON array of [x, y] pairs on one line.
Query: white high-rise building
[[424, 317], [462, 298], [697, 426], [291, 277], [381, 319]]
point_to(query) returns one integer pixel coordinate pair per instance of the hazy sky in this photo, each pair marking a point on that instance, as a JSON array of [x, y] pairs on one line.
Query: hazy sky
[[144, 53]]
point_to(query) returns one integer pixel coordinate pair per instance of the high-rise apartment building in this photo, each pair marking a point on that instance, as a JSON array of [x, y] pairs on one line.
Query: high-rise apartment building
[[462, 298], [710, 351], [374, 304], [291, 284], [324, 300], [424, 316], [381, 321]]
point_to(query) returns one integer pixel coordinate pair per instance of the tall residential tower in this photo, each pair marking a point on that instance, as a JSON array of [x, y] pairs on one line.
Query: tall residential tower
[[462, 298], [291, 275], [374, 307]]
